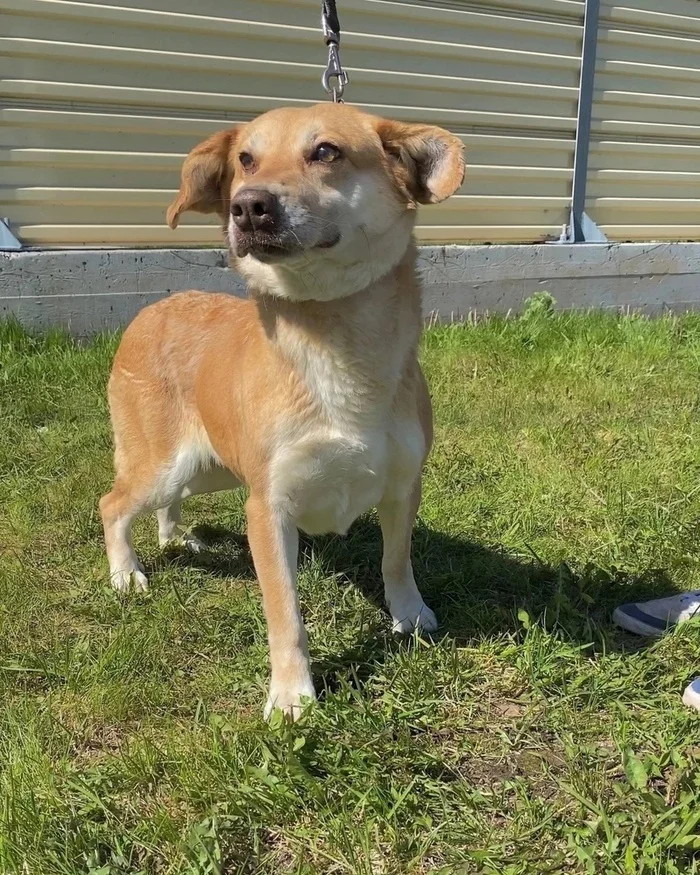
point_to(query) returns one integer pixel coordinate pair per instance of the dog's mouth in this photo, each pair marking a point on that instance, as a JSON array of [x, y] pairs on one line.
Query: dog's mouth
[[269, 247], [263, 246]]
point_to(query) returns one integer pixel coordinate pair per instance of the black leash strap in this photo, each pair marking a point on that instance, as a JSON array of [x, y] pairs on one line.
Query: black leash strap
[[334, 70], [329, 19]]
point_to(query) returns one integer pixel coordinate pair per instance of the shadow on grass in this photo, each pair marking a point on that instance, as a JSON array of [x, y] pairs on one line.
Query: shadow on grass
[[475, 590]]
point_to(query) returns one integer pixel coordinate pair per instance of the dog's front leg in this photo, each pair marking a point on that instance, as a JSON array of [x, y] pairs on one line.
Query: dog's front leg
[[274, 543], [408, 610]]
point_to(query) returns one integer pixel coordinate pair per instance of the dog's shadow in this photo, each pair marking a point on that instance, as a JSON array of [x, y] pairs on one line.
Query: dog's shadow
[[475, 590]]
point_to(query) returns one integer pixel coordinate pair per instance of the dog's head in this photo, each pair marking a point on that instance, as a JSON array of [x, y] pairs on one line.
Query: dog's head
[[309, 192]]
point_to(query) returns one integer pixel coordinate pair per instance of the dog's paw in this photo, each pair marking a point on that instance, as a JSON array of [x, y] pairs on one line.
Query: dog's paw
[[290, 699], [187, 540], [192, 544], [121, 580], [411, 617]]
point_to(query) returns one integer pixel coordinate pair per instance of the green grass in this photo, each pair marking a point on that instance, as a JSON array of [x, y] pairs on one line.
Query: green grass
[[528, 737]]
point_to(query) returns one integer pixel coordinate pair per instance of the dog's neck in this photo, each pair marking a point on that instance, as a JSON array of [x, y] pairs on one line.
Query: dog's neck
[[386, 298], [354, 348]]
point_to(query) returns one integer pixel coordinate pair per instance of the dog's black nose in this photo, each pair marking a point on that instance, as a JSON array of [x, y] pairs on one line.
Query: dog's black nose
[[254, 209]]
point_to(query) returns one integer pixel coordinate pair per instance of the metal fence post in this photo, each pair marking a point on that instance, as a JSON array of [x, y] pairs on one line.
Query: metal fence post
[[8, 241], [581, 228]]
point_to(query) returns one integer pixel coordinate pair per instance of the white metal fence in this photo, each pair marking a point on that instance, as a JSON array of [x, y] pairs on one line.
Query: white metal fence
[[101, 101]]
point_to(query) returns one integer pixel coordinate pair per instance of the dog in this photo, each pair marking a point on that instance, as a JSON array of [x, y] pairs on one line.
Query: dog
[[309, 393]]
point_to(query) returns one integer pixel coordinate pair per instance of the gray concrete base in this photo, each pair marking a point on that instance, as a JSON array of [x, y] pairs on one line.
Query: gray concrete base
[[90, 290]]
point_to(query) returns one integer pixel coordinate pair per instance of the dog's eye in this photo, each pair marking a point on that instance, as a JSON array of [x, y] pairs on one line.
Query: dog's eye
[[326, 152], [247, 160]]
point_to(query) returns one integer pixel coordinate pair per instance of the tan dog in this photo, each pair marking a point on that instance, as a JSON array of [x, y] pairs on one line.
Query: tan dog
[[310, 393]]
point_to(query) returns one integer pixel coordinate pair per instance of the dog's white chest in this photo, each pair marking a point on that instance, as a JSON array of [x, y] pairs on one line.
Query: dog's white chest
[[326, 480], [330, 467]]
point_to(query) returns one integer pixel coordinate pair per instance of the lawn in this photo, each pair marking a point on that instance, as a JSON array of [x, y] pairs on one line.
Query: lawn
[[528, 737]]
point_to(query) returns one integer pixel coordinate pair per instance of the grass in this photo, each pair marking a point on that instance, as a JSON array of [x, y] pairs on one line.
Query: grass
[[528, 737]]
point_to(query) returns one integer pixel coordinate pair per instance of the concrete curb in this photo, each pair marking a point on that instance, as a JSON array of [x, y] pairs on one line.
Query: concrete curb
[[90, 290]]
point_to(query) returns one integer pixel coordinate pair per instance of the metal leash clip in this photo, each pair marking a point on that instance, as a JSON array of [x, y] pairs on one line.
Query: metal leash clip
[[334, 70]]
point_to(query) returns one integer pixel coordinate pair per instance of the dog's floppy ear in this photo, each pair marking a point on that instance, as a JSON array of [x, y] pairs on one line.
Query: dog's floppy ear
[[206, 177], [428, 161]]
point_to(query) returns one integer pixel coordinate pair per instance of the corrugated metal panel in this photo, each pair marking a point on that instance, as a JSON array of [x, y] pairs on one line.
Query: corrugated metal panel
[[102, 101], [644, 171]]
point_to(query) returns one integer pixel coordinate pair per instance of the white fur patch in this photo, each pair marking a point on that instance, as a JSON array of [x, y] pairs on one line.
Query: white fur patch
[[325, 480]]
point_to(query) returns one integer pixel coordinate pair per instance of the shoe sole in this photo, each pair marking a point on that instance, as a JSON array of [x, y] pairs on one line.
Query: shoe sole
[[632, 619]]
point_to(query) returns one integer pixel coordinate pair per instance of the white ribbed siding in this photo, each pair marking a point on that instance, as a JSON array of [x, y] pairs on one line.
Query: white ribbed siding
[[100, 103], [644, 166]]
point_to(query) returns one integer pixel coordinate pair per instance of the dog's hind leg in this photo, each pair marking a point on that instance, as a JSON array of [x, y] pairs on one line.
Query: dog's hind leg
[[119, 508], [145, 480], [192, 475]]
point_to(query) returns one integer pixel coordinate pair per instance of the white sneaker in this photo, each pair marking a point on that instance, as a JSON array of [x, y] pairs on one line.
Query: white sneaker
[[691, 696], [658, 616]]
